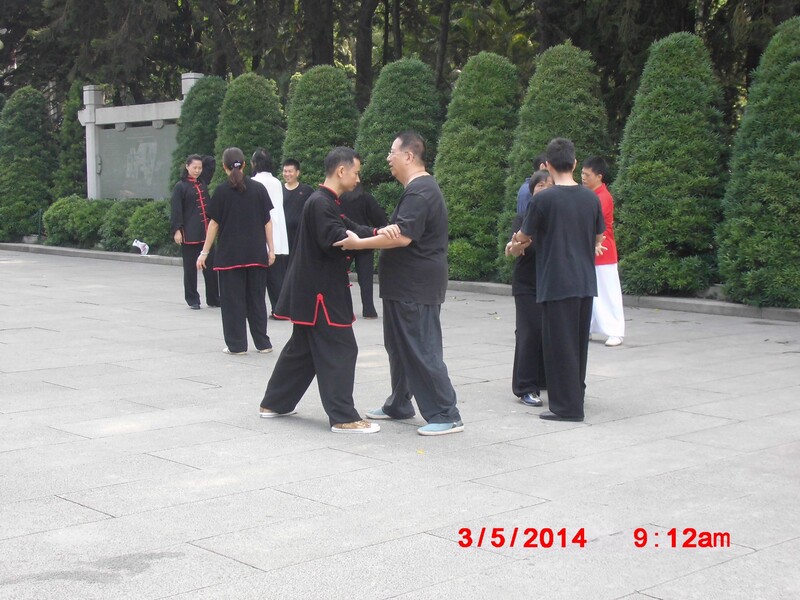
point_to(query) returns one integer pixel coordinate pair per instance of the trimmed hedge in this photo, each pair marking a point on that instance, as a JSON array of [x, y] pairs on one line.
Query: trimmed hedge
[[251, 117], [75, 221], [563, 100], [115, 224], [322, 115], [473, 159], [404, 97], [759, 254], [149, 223], [27, 162], [197, 126], [670, 172], [70, 176]]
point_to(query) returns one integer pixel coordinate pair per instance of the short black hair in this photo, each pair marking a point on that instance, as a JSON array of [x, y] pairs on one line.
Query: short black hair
[[413, 142], [292, 162], [537, 178], [341, 155], [539, 161], [561, 155], [598, 165], [261, 161]]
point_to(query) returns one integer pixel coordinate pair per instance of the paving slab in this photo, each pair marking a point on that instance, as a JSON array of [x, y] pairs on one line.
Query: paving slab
[[133, 463]]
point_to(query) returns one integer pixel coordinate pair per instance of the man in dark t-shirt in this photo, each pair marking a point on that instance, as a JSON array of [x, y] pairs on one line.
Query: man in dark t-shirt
[[295, 195], [565, 223], [412, 271], [361, 207]]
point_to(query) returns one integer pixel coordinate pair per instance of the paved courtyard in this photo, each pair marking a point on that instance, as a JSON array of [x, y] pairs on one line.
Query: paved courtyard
[[133, 464]]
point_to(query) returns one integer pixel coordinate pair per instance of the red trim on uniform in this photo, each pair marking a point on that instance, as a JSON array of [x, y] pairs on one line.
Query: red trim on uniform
[[239, 267], [320, 300], [201, 202], [195, 243]]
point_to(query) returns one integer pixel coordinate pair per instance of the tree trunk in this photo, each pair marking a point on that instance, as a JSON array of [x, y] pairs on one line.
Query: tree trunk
[[364, 52], [386, 52], [225, 45], [397, 33], [318, 17], [441, 50]]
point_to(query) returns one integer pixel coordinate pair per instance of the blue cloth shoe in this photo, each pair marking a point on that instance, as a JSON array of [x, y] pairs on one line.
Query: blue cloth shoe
[[531, 399], [441, 428]]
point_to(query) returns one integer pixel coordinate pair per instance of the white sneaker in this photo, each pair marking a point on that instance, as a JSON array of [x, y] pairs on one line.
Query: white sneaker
[[614, 341]]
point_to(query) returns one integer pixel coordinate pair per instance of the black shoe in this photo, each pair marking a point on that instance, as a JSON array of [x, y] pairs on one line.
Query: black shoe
[[213, 304], [194, 306], [551, 416]]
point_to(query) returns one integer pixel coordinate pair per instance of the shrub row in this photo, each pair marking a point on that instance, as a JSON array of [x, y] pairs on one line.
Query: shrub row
[[109, 224]]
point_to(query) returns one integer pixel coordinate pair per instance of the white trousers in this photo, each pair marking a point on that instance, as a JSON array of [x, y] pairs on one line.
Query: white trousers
[[607, 315]]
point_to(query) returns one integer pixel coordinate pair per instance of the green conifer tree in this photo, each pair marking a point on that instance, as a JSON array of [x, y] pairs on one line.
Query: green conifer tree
[[563, 100], [670, 172], [472, 162], [322, 115], [197, 126], [759, 254], [27, 161], [404, 97], [251, 117], [70, 176]]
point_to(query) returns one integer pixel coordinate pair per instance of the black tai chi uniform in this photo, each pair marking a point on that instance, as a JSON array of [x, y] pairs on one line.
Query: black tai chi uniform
[[413, 282], [242, 261], [528, 375], [362, 208], [316, 298], [293, 203], [563, 222], [189, 216]]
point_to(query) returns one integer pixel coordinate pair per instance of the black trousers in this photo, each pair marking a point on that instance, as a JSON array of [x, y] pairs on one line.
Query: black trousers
[[323, 350], [365, 269], [413, 339], [275, 275], [565, 335], [528, 374], [242, 292], [190, 254]]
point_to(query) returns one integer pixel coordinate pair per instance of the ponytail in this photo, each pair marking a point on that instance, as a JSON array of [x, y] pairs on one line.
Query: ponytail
[[233, 159]]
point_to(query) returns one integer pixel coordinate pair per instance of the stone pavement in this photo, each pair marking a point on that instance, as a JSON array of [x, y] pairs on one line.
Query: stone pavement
[[133, 464]]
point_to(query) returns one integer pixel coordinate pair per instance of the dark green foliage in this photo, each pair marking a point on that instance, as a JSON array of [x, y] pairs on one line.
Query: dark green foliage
[[251, 117], [670, 172], [115, 223], [387, 194], [197, 127], [2, 102], [150, 224], [404, 97], [322, 115], [759, 254], [75, 221], [563, 100], [472, 161], [70, 176], [27, 161]]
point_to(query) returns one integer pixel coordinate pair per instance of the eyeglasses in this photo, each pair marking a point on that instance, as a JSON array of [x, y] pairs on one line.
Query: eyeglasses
[[393, 152]]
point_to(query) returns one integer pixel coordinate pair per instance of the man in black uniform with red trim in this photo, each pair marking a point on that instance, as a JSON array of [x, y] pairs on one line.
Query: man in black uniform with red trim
[[316, 298]]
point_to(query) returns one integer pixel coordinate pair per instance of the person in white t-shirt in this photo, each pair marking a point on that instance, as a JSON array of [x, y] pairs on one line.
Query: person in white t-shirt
[[262, 172]]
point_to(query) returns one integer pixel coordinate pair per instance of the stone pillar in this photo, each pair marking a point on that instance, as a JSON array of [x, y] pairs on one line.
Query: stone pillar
[[188, 80], [92, 100]]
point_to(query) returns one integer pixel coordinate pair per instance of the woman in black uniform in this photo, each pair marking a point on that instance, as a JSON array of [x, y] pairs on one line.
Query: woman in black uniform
[[527, 379], [188, 226], [239, 217]]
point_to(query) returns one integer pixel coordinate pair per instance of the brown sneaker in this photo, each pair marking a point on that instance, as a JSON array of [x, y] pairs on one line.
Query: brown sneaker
[[356, 427]]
